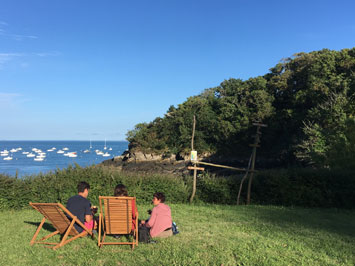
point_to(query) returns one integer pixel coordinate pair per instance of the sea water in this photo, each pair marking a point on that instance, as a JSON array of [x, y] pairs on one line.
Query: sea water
[[24, 166]]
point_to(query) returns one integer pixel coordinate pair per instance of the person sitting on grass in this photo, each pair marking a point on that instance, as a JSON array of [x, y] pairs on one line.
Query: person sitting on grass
[[121, 191], [159, 223], [80, 206]]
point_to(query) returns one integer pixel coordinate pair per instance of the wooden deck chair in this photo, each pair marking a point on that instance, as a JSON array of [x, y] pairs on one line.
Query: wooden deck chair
[[115, 218], [58, 215]]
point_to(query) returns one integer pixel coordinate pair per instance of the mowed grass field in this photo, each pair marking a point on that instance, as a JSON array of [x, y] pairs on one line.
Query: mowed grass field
[[209, 235]]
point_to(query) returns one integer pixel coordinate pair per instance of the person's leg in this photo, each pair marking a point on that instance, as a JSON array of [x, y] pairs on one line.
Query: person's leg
[[165, 234]]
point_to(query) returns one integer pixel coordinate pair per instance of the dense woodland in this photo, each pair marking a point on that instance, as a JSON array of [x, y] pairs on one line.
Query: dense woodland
[[307, 101]]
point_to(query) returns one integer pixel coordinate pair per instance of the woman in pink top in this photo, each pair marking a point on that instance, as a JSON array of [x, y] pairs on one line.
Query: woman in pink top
[[160, 220]]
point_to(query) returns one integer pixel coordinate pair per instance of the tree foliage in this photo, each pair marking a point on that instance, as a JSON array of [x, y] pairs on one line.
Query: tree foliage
[[307, 101]]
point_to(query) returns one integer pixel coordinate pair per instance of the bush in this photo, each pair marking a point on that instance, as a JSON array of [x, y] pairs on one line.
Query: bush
[[305, 187], [60, 185], [289, 187], [213, 189]]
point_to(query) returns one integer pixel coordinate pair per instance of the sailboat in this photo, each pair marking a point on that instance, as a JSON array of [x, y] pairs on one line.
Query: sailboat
[[86, 151], [105, 145]]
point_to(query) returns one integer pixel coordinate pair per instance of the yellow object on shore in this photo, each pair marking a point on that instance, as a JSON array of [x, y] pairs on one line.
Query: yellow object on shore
[[193, 156]]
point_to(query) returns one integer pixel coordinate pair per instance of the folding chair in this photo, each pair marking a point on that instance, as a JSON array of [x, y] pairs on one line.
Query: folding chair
[[115, 218], [58, 215]]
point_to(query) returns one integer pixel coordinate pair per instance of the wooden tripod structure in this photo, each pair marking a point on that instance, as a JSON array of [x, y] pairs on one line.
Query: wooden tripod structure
[[248, 170]]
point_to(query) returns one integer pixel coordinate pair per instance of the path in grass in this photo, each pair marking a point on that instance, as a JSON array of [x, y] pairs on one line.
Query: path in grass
[[210, 235]]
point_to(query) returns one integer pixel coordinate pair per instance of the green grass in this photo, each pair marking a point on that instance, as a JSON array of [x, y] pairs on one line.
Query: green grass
[[209, 235]]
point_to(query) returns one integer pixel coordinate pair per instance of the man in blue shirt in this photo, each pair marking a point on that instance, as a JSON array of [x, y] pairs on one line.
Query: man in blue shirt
[[80, 206]]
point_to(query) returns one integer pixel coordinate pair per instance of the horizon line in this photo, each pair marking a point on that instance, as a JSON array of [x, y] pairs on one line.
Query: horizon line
[[103, 140]]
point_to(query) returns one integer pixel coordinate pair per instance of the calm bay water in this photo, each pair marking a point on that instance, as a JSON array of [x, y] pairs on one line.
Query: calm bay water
[[28, 166]]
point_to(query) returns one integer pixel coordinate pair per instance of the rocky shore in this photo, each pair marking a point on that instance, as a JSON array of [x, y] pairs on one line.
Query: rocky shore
[[137, 161], [148, 163]]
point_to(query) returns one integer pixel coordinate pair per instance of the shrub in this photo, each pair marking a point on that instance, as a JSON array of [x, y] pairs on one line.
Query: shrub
[[305, 187], [60, 185], [213, 189], [289, 187]]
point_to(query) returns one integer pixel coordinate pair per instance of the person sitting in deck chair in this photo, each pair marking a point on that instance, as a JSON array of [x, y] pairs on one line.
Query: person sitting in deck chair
[[121, 191], [80, 206]]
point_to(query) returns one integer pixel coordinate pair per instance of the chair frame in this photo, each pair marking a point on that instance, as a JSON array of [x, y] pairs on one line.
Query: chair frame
[[57, 214], [105, 215]]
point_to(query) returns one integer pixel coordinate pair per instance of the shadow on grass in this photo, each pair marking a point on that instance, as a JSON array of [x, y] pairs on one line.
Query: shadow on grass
[[330, 220], [46, 226]]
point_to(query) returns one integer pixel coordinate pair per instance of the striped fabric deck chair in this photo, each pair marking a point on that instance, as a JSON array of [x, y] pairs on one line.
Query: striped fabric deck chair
[[115, 218], [58, 215]]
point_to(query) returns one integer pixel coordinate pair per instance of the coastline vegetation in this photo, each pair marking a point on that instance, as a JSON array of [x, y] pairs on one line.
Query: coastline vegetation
[[307, 101], [284, 187]]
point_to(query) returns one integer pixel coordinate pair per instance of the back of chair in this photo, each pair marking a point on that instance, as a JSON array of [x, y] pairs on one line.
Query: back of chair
[[56, 213], [117, 213]]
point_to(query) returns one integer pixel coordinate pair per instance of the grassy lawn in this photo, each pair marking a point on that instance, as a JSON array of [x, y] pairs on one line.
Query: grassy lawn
[[209, 235]]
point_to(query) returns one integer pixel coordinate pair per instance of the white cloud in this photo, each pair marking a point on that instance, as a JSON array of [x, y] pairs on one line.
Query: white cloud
[[6, 57], [11, 100], [17, 37], [44, 54]]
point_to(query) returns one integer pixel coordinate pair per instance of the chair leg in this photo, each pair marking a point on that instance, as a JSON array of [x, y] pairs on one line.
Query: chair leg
[[50, 235], [103, 239], [37, 231], [99, 231], [63, 242], [136, 229], [83, 233]]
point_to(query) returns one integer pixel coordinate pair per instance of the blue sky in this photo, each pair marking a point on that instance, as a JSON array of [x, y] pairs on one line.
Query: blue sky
[[79, 70]]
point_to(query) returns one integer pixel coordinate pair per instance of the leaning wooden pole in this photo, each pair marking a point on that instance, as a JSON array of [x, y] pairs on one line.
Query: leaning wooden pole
[[255, 145], [251, 174], [242, 181], [195, 170]]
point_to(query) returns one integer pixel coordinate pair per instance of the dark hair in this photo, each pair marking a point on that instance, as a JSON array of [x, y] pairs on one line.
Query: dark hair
[[82, 186], [120, 190], [160, 196]]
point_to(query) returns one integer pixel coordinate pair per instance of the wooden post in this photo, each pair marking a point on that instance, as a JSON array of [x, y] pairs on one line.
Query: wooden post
[[194, 185], [242, 181], [251, 175], [195, 170], [255, 145], [193, 133]]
